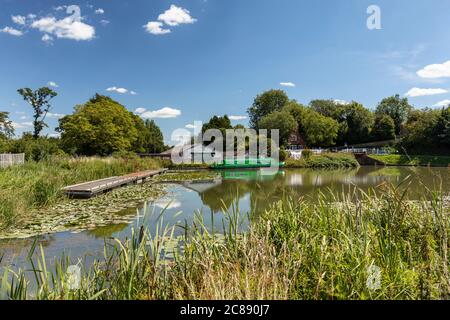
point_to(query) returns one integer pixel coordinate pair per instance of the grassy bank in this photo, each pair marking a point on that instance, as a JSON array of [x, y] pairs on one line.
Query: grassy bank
[[405, 160], [376, 248], [324, 161], [38, 184]]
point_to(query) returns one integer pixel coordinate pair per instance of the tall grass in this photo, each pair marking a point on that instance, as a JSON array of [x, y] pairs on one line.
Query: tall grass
[[38, 184], [295, 250]]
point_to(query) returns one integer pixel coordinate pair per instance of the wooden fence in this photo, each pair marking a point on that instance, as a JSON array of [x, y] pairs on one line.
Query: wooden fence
[[7, 160]]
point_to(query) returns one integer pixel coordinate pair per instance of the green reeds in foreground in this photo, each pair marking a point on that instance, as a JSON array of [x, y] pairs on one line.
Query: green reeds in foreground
[[295, 250]]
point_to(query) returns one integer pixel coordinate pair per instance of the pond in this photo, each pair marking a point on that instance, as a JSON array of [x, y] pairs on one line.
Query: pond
[[250, 190]]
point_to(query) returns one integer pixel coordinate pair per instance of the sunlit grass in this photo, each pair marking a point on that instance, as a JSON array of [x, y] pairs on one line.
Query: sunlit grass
[[297, 249]]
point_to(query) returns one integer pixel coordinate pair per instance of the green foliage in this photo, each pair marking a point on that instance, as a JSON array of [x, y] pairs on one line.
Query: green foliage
[[38, 184], [315, 129], [397, 108], [442, 128], [323, 161], [40, 102], [327, 108], [219, 123], [6, 127], [35, 148], [281, 120], [427, 132], [358, 122], [266, 103], [150, 138], [297, 249], [384, 128], [413, 160], [102, 126]]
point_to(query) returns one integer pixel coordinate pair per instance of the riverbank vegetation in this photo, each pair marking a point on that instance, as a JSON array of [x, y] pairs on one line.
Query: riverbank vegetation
[[38, 184], [407, 160], [360, 246], [324, 161]]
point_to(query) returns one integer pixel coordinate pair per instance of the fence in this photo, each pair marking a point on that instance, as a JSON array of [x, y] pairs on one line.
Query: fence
[[7, 160]]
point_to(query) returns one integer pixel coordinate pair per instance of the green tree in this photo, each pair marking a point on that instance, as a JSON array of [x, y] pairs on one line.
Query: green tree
[[281, 120], [318, 130], [154, 139], [327, 108], [266, 103], [397, 108], [6, 127], [442, 129], [102, 126], [315, 129], [420, 132], [40, 102], [355, 123], [384, 128]]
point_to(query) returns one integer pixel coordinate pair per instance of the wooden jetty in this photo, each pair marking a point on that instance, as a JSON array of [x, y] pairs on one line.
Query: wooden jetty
[[93, 188]]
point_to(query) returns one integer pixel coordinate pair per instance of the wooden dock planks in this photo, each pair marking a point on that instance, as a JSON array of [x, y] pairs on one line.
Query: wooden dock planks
[[92, 188]]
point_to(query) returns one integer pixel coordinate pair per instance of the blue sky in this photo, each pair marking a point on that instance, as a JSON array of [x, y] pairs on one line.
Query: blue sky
[[187, 60]]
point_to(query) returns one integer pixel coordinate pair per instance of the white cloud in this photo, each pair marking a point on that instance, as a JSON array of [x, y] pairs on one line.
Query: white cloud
[[140, 110], [31, 16], [52, 84], [434, 71], [12, 31], [67, 28], [133, 93], [155, 27], [341, 102], [164, 113], [287, 84], [118, 90], [418, 92], [104, 22], [47, 39], [99, 11], [167, 204], [237, 118], [55, 115], [175, 16], [443, 103], [19, 19], [22, 125]]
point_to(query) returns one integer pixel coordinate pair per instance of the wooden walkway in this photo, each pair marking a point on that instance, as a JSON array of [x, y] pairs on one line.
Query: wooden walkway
[[92, 188]]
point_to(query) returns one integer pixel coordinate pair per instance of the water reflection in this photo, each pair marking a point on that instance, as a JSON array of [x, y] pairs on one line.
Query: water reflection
[[250, 190]]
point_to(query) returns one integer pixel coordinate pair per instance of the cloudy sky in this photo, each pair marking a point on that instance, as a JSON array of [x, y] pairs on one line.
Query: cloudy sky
[[182, 61]]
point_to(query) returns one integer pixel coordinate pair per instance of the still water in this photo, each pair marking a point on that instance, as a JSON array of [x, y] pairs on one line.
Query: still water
[[247, 190]]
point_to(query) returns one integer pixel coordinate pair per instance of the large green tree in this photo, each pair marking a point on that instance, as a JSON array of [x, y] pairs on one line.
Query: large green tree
[[384, 128], [99, 127], [420, 132], [281, 120], [355, 123], [442, 129], [397, 108], [40, 102], [315, 129], [266, 103]]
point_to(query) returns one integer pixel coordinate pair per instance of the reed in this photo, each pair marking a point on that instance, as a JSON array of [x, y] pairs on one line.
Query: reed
[[297, 249], [39, 184]]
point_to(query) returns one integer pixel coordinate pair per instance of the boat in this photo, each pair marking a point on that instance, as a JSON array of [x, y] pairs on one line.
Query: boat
[[248, 163]]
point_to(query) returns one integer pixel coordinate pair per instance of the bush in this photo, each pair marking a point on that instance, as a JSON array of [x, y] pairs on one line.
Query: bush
[[307, 154]]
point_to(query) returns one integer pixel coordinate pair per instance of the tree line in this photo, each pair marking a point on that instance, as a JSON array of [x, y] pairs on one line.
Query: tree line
[[101, 126], [330, 123]]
